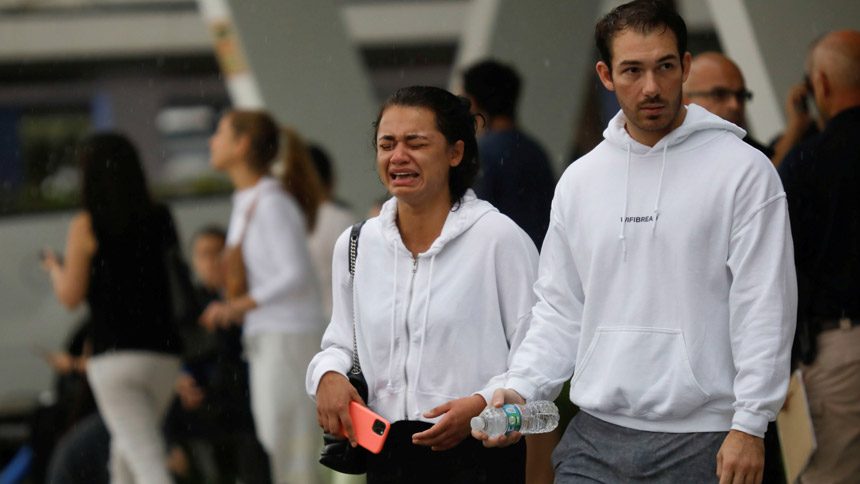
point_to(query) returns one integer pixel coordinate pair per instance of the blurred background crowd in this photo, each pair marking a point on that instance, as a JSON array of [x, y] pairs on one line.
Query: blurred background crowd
[[165, 72]]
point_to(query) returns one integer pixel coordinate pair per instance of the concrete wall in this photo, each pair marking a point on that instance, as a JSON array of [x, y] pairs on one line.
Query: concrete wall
[[309, 75]]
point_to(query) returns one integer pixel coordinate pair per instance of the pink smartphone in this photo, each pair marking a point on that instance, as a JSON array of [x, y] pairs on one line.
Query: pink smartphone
[[371, 430]]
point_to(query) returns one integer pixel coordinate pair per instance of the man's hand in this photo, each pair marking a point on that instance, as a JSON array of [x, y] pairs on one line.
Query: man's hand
[[798, 120], [219, 315], [796, 109], [740, 459], [501, 397], [190, 394], [454, 426]]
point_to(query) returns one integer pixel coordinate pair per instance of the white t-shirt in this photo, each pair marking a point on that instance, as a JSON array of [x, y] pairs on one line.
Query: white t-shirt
[[280, 276], [332, 220]]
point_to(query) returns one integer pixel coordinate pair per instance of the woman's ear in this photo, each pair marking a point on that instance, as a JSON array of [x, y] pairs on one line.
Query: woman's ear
[[455, 153], [242, 148]]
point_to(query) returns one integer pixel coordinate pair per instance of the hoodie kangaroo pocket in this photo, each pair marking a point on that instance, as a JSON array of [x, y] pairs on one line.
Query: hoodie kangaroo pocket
[[638, 372]]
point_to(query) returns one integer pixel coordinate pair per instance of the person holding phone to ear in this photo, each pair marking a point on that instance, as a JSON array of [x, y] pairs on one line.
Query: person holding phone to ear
[[441, 292]]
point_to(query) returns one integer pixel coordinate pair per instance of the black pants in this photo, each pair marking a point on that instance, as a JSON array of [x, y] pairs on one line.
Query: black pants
[[401, 461]]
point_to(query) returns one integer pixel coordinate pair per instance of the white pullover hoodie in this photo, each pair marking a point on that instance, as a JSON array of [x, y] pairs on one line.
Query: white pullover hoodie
[[437, 327], [666, 284]]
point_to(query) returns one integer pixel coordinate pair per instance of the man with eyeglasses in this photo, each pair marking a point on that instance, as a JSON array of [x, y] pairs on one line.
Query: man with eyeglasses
[[716, 84]]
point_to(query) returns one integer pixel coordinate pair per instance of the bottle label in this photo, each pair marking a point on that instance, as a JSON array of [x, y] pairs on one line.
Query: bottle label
[[515, 419]]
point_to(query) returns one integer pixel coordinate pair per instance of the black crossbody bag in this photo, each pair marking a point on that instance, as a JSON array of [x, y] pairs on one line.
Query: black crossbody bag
[[337, 453]]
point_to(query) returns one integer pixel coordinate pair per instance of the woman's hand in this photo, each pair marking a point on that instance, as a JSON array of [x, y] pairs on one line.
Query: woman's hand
[[49, 260], [454, 426], [61, 362], [334, 394], [71, 278]]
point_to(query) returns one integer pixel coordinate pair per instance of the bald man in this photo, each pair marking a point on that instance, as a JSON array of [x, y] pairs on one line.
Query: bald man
[[716, 84], [821, 177]]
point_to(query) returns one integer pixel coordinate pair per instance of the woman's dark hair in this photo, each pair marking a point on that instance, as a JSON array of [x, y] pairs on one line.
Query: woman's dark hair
[[114, 190], [300, 178], [263, 133], [453, 120], [643, 16]]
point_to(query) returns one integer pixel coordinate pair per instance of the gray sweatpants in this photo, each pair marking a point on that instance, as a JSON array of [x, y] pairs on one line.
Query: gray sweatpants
[[595, 451]]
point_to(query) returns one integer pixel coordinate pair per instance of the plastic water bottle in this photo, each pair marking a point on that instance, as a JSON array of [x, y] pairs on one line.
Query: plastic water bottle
[[532, 418]]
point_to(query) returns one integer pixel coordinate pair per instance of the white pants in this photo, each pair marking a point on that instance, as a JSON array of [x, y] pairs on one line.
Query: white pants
[[284, 416], [133, 390]]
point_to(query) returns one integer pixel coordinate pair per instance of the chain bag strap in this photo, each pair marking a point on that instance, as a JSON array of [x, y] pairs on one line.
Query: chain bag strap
[[337, 453]]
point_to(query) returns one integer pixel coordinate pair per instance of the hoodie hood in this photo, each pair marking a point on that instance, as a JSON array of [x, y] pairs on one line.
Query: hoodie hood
[[699, 126], [698, 121], [460, 218]]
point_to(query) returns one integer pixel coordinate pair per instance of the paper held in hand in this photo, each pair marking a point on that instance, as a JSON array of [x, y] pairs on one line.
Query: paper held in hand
[[794, 426]]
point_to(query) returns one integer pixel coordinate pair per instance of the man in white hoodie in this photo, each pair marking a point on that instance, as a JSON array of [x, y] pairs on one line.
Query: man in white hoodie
[[666, 285]]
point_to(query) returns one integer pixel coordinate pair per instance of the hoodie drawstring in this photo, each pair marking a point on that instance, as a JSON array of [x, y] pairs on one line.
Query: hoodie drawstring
[[624, 213], [621, 236], [424, 327], [659, 189], [393, 319]]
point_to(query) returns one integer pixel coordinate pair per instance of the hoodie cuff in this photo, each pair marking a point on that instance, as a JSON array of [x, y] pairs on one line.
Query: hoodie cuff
[[753, 423], [317, 375], [524, 387], [486, 394]]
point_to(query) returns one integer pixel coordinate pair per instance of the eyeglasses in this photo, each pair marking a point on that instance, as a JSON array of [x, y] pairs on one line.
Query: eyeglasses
[[721, 94]]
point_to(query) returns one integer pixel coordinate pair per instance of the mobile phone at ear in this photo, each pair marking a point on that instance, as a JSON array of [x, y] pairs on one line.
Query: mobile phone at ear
[[803, 104], [371, 430]]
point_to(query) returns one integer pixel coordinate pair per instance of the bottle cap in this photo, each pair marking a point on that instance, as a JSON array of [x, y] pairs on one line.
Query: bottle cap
[[477, 423]]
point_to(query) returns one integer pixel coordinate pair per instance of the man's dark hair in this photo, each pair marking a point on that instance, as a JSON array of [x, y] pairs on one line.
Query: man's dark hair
[[643, 16], [453, 119], [494, 86]]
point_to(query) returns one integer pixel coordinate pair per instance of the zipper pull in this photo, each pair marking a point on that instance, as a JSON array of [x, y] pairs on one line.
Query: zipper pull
[[414, 265]]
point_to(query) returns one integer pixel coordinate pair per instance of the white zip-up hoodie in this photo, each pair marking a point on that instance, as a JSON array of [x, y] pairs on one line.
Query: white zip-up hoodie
[[437, 327], [667, 283]]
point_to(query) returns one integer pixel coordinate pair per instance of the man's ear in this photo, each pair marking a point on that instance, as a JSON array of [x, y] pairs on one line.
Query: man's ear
[[686, 62], [824, 82], [605, 75]]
